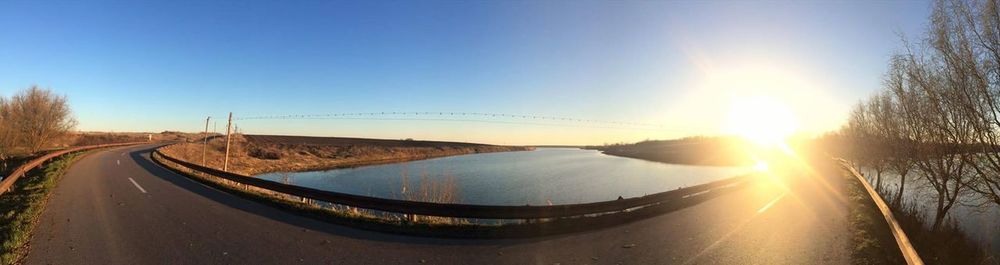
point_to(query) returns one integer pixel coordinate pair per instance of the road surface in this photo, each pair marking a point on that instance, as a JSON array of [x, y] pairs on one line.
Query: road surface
[[116, 206]]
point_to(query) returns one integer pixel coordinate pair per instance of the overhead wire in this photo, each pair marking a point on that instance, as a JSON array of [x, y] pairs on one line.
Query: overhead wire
[[462, 117]]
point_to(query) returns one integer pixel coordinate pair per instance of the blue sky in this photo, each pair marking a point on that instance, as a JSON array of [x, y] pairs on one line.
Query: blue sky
[[153, 66]]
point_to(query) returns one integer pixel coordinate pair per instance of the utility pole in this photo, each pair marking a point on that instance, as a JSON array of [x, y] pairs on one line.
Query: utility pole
[[204, 148], [229, 125]]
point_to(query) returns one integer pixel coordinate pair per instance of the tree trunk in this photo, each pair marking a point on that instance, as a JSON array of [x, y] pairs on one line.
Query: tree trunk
[[878, 180], [939, 216], [899, 194]]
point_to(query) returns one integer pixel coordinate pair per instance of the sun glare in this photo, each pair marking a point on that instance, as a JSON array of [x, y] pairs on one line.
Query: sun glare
[[762, 120], [761, 166]]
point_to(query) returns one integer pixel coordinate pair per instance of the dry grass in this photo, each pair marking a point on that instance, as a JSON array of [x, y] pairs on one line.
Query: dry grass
[[251, 155], [93, 138], [432, 190]]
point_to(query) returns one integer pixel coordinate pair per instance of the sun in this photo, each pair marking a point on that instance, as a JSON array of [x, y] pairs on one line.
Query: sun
[[762, 120], [761, 166]]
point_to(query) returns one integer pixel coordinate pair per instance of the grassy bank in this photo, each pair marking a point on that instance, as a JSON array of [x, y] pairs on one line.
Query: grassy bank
[[22, 205], [256, 154], [872, 241]]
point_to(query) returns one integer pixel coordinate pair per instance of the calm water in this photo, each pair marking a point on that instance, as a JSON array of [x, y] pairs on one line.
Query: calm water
[[559, 175]]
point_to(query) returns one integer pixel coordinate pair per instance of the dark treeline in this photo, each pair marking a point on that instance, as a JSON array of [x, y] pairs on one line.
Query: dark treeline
[[697, 150]]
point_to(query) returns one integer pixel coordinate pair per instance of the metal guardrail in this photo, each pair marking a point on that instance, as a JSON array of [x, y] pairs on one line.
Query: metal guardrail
[[8, 182], [462, 210], [909, 253]]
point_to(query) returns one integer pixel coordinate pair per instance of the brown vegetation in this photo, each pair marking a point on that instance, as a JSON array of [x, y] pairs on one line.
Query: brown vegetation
[[34, 116], [256, 154], [29, 120], [93, 138]]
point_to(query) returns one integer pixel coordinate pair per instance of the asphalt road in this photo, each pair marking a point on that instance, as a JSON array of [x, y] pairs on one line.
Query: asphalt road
[[115, 206]]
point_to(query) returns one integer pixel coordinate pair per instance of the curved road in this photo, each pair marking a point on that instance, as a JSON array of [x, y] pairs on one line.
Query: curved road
[[115, 206]]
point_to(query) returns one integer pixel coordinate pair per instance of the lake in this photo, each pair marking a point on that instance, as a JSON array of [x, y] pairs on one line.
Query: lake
[[540, 177]]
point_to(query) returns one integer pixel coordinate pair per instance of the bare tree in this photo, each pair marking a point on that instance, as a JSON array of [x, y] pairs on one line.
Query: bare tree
[[975, 48], [868, 149], [7, 138], [37, 116], [938, 88], [896, 146], [938, 115], [925, 118]]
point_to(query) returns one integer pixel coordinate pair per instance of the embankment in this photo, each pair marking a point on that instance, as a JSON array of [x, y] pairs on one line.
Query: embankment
[[257, 154]]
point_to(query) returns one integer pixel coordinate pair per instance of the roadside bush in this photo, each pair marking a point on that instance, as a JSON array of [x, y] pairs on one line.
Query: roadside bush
[[35, 116], [264, 153]]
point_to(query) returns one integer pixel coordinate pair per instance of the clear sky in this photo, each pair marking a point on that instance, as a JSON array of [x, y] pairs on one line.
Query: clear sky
[[153, 66]]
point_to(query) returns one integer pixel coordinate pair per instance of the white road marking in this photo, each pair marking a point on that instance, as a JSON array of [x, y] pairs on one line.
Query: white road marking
[[771, 203], [119, 162], [137, 185]]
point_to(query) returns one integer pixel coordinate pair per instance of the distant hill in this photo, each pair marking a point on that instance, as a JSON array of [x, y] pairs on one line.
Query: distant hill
[[714, 151]]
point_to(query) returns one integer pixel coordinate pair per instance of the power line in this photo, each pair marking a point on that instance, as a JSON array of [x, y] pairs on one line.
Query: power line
[[499, 122], [464, 116]]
